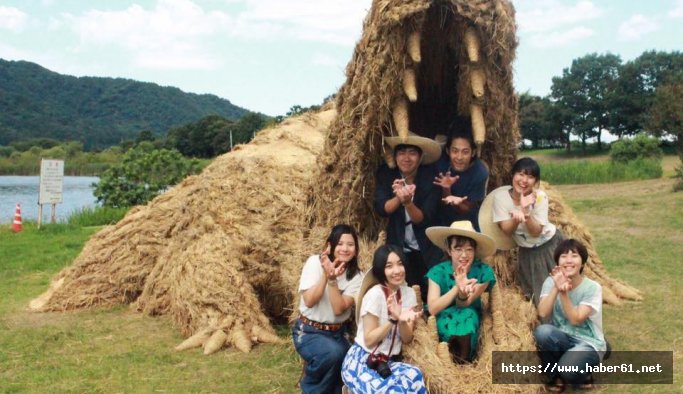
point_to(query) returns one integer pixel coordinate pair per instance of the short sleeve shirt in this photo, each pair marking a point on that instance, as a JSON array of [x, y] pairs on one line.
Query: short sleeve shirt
[[322, 311], [503, 205], [588, 293], [374, 302]]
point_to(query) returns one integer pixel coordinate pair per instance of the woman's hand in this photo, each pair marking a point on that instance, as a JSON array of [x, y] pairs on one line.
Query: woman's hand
[[453, 200], [465, 286], [445, 180], [527, 201], [332, 269], [518, 216], [410, 315], [560, 279], [393, 307]]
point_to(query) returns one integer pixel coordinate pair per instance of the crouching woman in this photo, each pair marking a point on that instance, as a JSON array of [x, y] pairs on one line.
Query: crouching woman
[[329, 283], [386, 318], [456, 286], [573, 303]]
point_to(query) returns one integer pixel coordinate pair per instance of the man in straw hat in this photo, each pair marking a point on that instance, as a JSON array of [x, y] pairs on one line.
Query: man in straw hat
[[407, 196], [456, 285]]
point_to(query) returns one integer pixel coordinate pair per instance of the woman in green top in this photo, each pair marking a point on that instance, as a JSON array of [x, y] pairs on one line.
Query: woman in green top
[[455, 286]]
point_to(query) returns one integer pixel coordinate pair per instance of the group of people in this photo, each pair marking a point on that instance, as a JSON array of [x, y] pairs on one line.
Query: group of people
[[432, 199]]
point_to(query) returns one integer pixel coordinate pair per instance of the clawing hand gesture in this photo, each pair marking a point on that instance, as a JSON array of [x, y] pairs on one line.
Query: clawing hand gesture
[[561, 280], [445, 180], [465, 285]]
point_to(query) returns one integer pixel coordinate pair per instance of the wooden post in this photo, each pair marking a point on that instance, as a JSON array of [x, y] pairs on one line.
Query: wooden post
[[40, 214], [53, 214]]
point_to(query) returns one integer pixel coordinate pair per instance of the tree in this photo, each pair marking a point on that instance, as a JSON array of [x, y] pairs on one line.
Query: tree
[[666, 115], [636, 87], [247, 126], [204, 138], [534, 119], [145, 135], [143, 173], [586, 90]]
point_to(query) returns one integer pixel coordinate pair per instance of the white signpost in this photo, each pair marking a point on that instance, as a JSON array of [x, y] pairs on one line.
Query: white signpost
[[51, 185]]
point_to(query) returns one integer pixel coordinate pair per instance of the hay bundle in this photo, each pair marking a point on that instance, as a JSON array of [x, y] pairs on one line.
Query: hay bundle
[[221, 253], [200, 253]]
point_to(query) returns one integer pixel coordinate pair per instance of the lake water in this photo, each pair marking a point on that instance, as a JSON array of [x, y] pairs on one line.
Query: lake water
[[77, 194]]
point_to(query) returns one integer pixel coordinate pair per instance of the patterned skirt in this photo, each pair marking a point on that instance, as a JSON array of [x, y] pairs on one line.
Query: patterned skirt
[[360, 379]]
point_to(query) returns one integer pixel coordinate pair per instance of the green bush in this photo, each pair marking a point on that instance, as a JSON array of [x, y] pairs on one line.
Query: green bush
[[97, 216], [144, 173], [679, 175], [640, 147], [583, 172]]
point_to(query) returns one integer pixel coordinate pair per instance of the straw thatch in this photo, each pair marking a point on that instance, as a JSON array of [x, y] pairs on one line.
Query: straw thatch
[[221, 253]]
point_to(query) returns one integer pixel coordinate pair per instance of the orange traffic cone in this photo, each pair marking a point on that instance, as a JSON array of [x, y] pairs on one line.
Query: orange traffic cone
[[16, 224]]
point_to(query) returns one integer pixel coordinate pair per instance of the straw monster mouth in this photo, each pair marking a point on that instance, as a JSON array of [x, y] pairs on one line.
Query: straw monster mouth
[[442, 82]]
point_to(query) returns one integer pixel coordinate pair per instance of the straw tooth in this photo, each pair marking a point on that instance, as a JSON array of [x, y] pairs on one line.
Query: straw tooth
[[472, 44], [443, 353], [478, 79], [195, 340], [401, 120], [240, 339], [414, 46], [478, 125], [418, 294], [410, 84], [216, 342]]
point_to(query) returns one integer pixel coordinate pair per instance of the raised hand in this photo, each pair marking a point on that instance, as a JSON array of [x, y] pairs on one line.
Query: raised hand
[[518, 216], [445, 180], [528, 200], [453, 200], [410, 315], [465, 285], [393, 307], [560, 279], [339, 268], [404, 192], [327, 264]]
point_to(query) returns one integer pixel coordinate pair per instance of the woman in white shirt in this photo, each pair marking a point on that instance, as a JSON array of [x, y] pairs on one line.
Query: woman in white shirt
[[386, 318], [521, 212], [329, 283]]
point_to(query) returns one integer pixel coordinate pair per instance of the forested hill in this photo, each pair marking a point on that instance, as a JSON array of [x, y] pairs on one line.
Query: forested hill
[[36, 102]]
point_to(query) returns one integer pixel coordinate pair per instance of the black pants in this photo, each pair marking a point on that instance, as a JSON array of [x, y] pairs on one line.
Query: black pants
[[416, 269]]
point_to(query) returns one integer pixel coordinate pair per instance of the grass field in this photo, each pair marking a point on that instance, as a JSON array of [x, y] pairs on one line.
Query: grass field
[[638, 227]]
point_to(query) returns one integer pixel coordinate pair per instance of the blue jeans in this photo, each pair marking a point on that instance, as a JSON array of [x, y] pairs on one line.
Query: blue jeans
[[559, 351], [324, 353]]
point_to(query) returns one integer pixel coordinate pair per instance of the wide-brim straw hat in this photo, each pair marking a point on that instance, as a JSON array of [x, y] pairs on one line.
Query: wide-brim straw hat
[[486, 246], [488, 227], [431, 150], [369, 280]]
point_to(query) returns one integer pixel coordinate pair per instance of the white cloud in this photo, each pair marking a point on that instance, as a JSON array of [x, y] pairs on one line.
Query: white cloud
[[677, 11], [556, 39], [12, 19], [171, 35], [536, 16], [329, 21], [636, 27]]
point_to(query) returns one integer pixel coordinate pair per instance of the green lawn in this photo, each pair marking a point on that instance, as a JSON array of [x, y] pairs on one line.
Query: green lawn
[[638, 227]]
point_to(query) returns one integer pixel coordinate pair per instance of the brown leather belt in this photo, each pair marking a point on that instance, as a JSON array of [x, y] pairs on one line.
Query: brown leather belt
[[321, 326]]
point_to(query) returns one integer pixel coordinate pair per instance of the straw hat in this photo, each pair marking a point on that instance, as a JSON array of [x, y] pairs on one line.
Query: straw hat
[[369, 280], [431, 150], [488, 227], [439, 237]]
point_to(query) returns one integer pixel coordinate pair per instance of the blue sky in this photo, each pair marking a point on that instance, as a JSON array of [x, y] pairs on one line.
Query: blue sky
[[267, 55]]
